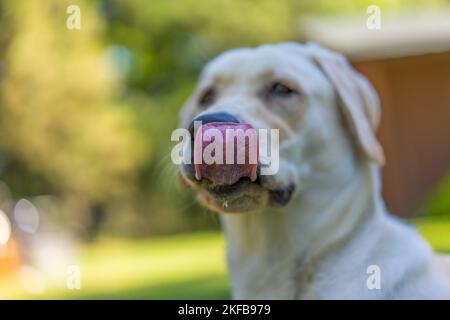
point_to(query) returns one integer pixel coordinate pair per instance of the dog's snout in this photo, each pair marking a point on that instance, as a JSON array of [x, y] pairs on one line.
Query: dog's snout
[[214, 117]]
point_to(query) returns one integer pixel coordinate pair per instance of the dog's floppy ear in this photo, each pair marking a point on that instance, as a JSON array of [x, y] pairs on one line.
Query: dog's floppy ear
[[358, 99]]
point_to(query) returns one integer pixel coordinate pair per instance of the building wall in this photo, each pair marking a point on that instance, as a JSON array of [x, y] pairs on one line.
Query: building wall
[[415, 125]]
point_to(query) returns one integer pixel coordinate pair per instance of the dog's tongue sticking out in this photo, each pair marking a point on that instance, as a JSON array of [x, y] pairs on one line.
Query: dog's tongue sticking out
[[226, 173]]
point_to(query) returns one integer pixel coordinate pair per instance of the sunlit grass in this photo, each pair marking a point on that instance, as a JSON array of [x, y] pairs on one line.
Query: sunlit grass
[[183, 266], [188, 266], [436, 231]]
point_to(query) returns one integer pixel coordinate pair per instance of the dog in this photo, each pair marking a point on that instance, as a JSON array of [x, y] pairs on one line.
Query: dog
[[318, 228]]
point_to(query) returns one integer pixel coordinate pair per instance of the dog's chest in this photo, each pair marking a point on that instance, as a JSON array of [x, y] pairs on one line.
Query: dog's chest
[[256, 278], [262, 266]]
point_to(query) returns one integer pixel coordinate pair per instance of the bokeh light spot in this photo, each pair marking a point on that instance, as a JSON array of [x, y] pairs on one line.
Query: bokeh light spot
[[5, 228], [26, 216], [32, 279]]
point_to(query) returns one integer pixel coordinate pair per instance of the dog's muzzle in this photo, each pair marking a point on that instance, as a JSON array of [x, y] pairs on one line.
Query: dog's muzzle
[[236, 139]]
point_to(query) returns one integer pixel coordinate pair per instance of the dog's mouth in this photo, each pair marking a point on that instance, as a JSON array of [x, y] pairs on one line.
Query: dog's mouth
[[230, 186], [242, 196], [231, 192], [228, 192]]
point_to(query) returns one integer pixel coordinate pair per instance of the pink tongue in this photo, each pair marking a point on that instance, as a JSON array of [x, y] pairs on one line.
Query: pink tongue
[[225, 173]]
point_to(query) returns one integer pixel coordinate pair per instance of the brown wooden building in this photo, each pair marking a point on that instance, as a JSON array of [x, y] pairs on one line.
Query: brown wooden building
[[408, 62]]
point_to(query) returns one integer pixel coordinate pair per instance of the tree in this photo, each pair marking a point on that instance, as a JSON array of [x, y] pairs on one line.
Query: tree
[[62, 130]]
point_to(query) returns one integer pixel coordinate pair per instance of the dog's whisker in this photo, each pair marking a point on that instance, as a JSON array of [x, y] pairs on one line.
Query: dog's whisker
[[164, 159]]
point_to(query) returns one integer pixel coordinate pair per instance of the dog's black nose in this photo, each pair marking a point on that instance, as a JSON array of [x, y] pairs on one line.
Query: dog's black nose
[[214, 117]]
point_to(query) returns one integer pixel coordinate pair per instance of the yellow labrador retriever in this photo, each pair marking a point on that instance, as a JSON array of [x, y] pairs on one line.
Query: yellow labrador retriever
[[318, 228]]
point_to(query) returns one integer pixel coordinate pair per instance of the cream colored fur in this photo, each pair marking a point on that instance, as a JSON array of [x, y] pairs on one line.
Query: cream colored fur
[[322, 243]]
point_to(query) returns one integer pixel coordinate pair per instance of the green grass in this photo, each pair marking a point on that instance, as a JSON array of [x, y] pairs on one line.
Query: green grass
[[436, 232], [188, 266]]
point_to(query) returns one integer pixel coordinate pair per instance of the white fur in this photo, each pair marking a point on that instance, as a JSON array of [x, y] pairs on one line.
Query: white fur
[[312, 250], [321, 244]]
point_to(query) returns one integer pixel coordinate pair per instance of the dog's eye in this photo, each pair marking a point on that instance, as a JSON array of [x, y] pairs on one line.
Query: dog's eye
[[207, 98], [279, 89]]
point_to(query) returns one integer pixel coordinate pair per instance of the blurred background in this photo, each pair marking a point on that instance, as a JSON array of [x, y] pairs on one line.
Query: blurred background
[[89, 205]]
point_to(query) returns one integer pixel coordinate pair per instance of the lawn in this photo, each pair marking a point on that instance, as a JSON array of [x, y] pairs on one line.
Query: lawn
[[436, 231], [187, 266]]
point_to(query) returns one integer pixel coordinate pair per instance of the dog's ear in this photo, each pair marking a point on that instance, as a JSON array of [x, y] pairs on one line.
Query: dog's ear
[[358, 99]]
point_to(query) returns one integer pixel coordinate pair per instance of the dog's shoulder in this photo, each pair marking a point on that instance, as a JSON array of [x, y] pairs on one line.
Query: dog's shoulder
[[386, 248]]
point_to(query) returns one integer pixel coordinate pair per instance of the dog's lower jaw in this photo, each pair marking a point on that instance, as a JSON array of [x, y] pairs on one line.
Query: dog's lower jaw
[[267, 191], [240, 205]]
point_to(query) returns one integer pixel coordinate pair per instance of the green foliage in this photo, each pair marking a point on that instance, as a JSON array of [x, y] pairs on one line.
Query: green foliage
[[87, 114], [59, 117]]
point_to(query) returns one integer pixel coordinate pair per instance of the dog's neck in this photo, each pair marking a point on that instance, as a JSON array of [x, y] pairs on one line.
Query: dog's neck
[[271, 254]]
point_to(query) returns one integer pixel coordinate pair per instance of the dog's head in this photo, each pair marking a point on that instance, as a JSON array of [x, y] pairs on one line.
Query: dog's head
[[323, 109]]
